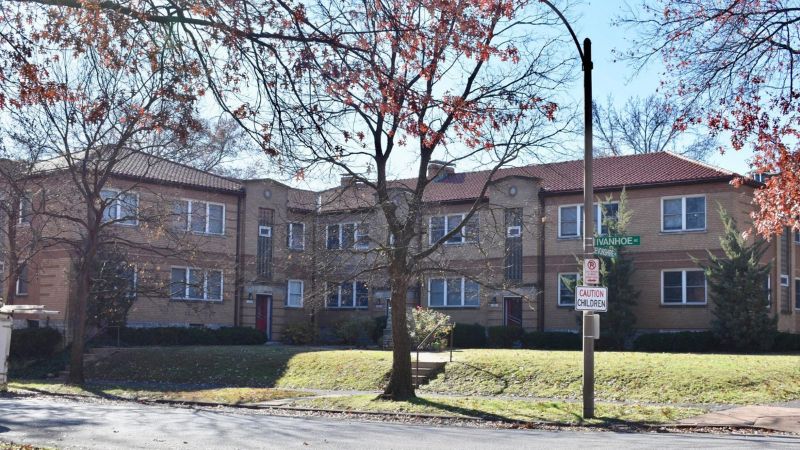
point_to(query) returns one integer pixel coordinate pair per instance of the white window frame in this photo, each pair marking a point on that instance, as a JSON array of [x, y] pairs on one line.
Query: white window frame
[[264, 231], [302, 236], [683, 287], [683, 198], [598, 218], [29, 197], [190, 208], [463, 293], [289, 293], [115, 204], [19, 276], [558, 287], [514, 231], [357, 235], [447, 229], [354, 294], [784, 280], [205, 285], [328, 236]]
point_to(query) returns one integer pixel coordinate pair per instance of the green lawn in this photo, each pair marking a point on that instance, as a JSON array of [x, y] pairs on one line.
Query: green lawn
[[645, 377], [506, 410], [250, 366], [639, 377]]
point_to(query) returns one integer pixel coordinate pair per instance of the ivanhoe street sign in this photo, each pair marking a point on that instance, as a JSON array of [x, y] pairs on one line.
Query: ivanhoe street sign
[[617, 241]]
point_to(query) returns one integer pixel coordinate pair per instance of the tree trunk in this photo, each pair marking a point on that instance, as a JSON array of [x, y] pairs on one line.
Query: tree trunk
[[401, 386], [79, 306]]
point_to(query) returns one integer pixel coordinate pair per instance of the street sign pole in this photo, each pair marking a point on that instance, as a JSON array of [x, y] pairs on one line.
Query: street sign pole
[[588, 228]]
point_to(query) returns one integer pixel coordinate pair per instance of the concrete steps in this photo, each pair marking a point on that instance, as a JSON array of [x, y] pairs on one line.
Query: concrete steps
[[426, 370]]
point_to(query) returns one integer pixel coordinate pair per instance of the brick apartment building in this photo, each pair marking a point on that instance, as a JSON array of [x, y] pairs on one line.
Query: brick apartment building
[[284, 255]]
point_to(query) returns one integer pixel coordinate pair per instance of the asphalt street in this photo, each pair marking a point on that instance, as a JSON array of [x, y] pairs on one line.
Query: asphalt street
[[64, 423]]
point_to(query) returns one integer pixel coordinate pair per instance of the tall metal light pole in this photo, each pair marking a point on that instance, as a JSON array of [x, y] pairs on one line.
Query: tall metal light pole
[[588, 209]]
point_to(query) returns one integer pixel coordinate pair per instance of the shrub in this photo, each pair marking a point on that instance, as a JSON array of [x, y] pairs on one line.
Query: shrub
[[423, 322], [356, 331], [786, 342], [680, 342], [469, 336], [29, 343], [504, 337], [169, 336], [552, 340], [299, 334]]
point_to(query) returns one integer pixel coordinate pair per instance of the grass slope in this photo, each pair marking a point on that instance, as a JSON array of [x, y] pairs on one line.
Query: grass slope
[[640, 377], [506, 410], [647, 377], [251, 366]]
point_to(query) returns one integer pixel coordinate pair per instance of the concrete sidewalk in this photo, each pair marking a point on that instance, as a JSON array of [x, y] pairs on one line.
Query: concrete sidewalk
[[768, 417]]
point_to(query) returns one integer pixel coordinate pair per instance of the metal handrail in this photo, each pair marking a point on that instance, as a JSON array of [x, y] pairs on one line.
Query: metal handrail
[[425, 341]]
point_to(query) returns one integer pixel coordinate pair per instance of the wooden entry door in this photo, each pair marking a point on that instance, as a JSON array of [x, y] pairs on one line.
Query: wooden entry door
[[264, 314], [513, 311]]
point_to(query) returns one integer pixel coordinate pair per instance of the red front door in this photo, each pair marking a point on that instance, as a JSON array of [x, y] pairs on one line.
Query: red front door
[[264, 314], [513, 307]]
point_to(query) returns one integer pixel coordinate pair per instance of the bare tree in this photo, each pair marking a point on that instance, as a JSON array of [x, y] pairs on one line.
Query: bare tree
[[101, 116], [648, 125]]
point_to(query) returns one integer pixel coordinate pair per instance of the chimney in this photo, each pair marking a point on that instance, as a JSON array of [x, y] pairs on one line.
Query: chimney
[[439, 170], [348, 180]]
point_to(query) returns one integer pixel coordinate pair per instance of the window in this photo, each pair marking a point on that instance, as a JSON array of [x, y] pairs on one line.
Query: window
[[513, 232], [350, 294], [683, 213], [797, 237], [796, 293], [25, 208], [120, 207], [683, 287], [785, 280], [294, 294], [347, 235], [768, 290], [190, 283], [296, 236], [129, 274], [453, 292], [22, 280], [333, 237], [441, 225], [566, 288], [570, 219], [265, 231], [201, 217]]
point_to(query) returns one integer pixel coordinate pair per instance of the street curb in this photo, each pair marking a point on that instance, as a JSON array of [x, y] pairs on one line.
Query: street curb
[[517, 424]]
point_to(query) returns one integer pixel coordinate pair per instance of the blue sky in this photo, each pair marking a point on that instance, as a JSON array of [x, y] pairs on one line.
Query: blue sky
[[617, 78]]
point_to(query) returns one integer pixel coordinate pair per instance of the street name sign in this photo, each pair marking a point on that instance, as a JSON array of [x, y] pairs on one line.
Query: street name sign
[[591, 298], [617, 241], [591, 271], [607, 252]]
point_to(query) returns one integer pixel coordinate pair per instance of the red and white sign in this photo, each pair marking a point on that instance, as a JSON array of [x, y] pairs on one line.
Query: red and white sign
[[591, 271], [590, 298]]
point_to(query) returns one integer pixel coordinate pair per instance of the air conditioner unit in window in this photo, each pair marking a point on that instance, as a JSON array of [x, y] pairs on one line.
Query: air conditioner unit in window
[[515, 231], [784, 280], [265, 231]]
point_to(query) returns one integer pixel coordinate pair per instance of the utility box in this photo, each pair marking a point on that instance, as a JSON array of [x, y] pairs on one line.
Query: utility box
[[591, 328]]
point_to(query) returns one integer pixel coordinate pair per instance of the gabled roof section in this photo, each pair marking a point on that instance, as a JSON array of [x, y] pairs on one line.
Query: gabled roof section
[[152, 168], [615, 172], [145, 167], [650, 169]]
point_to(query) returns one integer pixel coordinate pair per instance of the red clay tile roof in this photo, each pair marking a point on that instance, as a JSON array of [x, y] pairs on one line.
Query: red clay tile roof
[[152, 168], [562, 177]]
